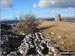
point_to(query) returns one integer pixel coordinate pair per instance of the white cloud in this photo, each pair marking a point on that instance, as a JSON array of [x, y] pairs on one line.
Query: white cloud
[[5, 3], [56, 3], [69, 10], [61, 11], [34, 5], [50, 12]]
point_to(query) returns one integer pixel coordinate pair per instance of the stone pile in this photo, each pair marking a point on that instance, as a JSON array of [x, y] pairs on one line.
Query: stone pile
[[58, 17], [25, 44], [36, 45], [9, 41]]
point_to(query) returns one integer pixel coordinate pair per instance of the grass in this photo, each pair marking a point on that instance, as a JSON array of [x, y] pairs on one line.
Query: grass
[[63, 28]]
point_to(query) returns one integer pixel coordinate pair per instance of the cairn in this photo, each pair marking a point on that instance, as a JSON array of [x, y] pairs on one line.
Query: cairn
[[58, 17]]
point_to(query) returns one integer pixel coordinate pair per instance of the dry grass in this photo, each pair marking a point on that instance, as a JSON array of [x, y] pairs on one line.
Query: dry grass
[[65, 29]]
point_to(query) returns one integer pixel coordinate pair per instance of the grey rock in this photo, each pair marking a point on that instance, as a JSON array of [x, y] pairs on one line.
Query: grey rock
[[53, 33], [36, 42], [25, 44], [60, 36]]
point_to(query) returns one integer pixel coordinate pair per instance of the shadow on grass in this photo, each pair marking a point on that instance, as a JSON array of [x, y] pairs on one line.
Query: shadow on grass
[[44, 28]]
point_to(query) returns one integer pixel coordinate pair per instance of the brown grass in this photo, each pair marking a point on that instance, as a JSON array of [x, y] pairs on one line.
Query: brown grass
[[65, 29]]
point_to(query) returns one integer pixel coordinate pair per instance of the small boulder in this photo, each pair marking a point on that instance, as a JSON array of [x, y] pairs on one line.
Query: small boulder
[[60, 36], [52, 33]]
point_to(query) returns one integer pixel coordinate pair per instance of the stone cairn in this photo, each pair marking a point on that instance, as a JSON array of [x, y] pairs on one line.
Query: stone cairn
[[58, 17], [36, 45]]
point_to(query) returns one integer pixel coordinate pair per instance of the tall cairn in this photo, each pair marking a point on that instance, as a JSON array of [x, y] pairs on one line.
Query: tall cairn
[[58, 17]]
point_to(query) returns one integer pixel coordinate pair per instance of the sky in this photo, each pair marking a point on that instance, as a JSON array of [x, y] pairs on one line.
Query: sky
[[41, 8]]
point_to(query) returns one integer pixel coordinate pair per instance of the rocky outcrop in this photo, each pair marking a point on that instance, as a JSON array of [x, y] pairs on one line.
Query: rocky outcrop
[[36, 44], [5, 26], [9, 43], [25, 44]]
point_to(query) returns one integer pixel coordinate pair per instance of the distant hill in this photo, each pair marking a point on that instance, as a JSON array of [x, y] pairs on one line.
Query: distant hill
[[47, 18], [41, 18]]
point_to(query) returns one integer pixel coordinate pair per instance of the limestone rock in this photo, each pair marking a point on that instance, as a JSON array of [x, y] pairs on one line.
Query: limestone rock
[[32, 44], [36, 44], [60, 36], [53, 33]]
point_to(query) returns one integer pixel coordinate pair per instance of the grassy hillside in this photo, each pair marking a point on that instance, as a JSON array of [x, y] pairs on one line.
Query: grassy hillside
[[62, 29], [64, 33]]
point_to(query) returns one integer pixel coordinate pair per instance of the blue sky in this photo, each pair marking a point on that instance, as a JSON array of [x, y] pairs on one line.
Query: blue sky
[[23, 7]]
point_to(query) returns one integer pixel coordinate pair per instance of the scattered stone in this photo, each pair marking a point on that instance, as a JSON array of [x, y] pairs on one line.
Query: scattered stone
[[53, 33], [60, 36], [13, 53]]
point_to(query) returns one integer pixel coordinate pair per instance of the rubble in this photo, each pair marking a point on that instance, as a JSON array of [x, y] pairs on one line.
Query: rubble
[[32, 44], [5, 26], [53, 33]]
